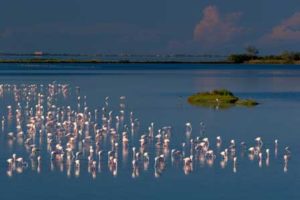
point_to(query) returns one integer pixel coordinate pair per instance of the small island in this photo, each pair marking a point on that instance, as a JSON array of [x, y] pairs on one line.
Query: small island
[[219, 99]]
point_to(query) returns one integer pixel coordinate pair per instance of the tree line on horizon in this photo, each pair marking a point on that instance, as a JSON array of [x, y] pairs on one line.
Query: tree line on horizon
[[251, 55]]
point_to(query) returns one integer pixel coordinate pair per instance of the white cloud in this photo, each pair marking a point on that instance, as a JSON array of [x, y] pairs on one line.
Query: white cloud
[[214, 29]]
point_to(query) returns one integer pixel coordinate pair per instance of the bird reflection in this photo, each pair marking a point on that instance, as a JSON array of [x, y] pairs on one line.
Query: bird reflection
[[55, 123]]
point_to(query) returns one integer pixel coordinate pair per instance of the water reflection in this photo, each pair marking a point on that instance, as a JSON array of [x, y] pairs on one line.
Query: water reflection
[[54, 126]]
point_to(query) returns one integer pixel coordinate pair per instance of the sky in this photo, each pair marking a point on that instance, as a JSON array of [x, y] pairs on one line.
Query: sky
[[149, 26]]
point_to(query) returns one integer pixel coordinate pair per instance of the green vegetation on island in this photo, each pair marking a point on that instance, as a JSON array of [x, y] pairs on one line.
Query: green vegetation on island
[[219, 99], [252, 57]]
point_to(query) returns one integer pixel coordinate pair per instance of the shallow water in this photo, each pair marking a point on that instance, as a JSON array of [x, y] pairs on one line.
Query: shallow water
[[159, 95]]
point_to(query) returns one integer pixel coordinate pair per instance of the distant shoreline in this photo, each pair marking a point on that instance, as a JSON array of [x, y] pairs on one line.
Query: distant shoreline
[[55, 61], [46, 61], [251, 57]]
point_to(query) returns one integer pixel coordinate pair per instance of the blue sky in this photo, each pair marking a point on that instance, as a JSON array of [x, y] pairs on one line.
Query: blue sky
[[144, 26]]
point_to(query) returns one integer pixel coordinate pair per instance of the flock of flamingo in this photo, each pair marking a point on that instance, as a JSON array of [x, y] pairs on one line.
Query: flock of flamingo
[[73, 137]]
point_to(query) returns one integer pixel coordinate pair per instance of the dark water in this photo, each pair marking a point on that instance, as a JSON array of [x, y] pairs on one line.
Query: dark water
[[159, 95]]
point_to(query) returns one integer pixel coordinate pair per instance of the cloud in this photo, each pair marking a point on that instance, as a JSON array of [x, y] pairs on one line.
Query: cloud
[[215, 29], [287, 30]]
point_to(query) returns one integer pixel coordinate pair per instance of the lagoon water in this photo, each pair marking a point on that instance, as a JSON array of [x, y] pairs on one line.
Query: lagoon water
[[158, 93]]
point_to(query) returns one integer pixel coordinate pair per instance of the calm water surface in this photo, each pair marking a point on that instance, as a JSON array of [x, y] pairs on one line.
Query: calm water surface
[[159, 96]]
